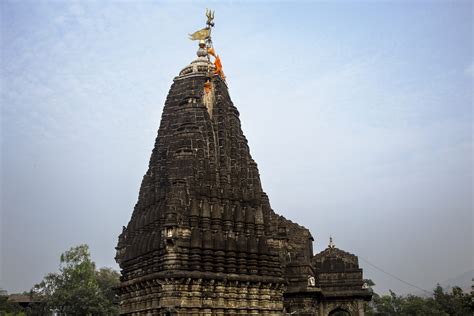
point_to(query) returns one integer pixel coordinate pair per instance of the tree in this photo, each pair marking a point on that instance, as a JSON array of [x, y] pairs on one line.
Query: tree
[[441, 303], [416, 305], [78, 289], [7, 307], [108, 279], [455, 303]]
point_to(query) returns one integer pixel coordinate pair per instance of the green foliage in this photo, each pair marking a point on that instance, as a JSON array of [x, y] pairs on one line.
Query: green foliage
[[7, 307], [441, 303], [78, 289], [108, 279], [455, 303]]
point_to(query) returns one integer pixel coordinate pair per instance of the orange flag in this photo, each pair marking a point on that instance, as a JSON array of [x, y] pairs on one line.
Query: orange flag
[[207, 86], [218, 65], [211, 51]]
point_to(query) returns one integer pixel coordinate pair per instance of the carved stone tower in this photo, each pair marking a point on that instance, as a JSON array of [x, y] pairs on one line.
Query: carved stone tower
[[203, 239]]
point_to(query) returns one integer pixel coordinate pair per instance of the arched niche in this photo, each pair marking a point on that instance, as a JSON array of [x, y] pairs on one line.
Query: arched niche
[[339, 311]]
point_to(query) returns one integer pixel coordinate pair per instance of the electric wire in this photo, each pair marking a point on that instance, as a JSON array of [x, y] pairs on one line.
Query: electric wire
[[394, 276]]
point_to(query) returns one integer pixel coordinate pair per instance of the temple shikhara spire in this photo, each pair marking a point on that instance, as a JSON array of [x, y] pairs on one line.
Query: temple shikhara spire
[[203, 238]]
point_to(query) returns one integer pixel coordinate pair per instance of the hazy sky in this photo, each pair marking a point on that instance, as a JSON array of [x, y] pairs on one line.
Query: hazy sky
[[359, 115]]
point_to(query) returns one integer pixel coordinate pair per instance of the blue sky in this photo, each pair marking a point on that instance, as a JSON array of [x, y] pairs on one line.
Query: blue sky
[[359, 115]]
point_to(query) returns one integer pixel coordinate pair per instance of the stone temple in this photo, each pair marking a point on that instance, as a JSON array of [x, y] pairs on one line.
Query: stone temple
[[203, 238]]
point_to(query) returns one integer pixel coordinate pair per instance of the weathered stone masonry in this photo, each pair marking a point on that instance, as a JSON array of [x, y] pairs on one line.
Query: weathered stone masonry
[[203, 239]]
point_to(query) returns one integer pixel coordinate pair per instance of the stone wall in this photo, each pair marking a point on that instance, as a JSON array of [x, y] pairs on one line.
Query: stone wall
[[203, 238], [203, 235]]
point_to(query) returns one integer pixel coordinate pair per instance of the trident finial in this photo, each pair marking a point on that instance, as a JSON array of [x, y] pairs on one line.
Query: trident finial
[[210, 17], [205, 33], [331, 244]]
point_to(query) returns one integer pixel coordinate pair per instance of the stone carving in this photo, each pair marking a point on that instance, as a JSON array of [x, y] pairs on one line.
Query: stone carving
[[203, 238]]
